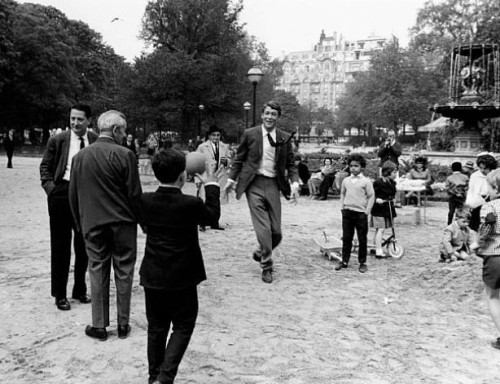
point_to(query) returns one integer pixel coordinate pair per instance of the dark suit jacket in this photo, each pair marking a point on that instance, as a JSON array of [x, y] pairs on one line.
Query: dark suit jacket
[[248, 157], [55, 159], [104, 186], [173, 259]]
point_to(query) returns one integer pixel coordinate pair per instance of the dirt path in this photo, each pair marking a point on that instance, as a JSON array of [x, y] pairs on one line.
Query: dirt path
[[408, 321]]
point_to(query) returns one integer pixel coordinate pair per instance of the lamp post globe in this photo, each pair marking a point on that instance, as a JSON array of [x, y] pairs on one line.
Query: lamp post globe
[[254, 75], [201, 107]]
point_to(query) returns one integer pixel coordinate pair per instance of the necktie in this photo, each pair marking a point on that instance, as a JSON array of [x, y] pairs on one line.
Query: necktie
[[271, 140], [82, 143], [217, 154]]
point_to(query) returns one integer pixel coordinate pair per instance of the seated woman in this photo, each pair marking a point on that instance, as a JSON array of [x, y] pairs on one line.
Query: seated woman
[[420, 172], [316, 178]]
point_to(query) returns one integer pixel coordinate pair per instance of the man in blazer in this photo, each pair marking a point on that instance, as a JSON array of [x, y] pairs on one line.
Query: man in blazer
[[105, 199], [218, 156], [263, 167], [55, 175]]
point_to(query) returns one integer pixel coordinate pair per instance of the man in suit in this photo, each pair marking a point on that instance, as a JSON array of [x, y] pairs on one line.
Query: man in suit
[[55, 176], [173, 264], [8, 144], [218, 156], [105, 198], [263, 167]]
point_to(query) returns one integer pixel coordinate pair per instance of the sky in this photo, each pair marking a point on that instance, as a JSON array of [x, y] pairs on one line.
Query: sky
[[283, 25]]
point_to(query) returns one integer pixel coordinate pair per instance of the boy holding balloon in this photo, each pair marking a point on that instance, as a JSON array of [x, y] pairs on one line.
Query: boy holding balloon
[[173, 264]]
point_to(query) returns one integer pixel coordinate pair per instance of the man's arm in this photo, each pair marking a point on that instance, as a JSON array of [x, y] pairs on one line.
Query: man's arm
[[73, 194], [134, 189], [48, 166]]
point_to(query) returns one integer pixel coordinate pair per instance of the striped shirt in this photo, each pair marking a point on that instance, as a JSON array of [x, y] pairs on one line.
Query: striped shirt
[[490, 244]]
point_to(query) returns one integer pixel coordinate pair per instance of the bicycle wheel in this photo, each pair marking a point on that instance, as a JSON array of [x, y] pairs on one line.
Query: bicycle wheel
[[395, 250]]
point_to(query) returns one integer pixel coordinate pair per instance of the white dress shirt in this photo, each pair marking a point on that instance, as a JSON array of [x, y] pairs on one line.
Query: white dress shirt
[[74, 147]]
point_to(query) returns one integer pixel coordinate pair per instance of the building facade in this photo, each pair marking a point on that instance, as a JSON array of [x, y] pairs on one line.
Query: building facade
[[318, 77]]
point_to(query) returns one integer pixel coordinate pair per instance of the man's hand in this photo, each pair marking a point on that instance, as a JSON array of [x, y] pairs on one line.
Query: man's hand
[[230, 186]]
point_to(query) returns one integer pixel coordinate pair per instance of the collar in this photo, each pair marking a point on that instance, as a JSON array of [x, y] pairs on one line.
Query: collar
[[265, 132], [74, 136], [356, 177], [169, 186]]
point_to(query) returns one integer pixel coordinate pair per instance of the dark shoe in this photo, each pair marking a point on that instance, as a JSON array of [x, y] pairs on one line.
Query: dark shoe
[[84, 299], [363, 268], [202, 228], [123, 331], [323, 198], [267, 276], [339, 266], [96, 333], [442, 258], [257, 257], [63, 304], [218, 228], [496, 343]]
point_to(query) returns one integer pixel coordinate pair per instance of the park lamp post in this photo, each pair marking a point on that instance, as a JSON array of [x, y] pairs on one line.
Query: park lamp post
[[246, 107], [254, 75], [201, 107]]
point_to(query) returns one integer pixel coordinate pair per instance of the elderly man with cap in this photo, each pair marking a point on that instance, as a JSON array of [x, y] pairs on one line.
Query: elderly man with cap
[[217, 153]]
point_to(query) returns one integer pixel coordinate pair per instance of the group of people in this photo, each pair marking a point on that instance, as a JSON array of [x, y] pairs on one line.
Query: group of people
[[94, 197]]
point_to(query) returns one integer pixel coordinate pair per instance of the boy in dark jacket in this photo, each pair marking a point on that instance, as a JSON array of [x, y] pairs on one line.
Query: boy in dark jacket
[[173, 264]]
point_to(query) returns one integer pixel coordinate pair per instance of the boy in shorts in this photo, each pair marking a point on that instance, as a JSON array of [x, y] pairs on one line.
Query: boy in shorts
[[458, 241]]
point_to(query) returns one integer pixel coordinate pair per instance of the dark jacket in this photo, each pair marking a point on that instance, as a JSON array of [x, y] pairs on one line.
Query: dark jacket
[[385, 190], [55, 159], [249, 155], [104, 186], [390, 153], [173, 258]]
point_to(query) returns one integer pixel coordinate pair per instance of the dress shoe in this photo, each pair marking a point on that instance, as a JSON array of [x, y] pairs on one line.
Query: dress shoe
[[363, 268], [496, 343], [63, 304], [97, 333], [124, 331], [267, 276], [84, 299], [218, 228], [339, 266], [323, 198]]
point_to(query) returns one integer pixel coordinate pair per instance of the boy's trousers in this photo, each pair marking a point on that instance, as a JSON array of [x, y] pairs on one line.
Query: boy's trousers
[[179, 308], [353, 220]]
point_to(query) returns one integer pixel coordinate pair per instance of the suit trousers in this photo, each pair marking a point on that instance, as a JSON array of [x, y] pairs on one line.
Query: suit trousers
[[263, 197], [179, 308], [111, 243], [454, 203], [61, 228], [353, 220]]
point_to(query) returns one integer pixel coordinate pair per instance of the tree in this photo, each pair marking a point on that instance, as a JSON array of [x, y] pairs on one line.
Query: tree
[[201, 56], [397, 89]]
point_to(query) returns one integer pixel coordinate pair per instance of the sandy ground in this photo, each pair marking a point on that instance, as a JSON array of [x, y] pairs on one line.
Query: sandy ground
[[412, 320]]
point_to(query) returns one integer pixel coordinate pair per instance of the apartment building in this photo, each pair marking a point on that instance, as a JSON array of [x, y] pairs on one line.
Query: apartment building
[[318, 77]]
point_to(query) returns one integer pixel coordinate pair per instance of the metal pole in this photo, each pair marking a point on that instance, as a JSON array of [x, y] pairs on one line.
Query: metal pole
[[246, 119], [254, 103]]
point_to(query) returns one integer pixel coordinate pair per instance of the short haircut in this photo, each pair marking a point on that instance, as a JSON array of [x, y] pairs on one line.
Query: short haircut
[[84, 108], [273, 105], [456, 166], [297, 158], [388, 167], [488, 161], [357, 157], [168, 164], [463, 213], [111, 119], [493, 178]]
